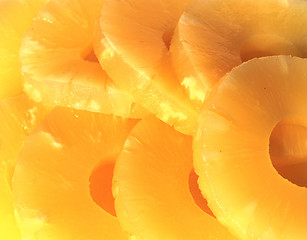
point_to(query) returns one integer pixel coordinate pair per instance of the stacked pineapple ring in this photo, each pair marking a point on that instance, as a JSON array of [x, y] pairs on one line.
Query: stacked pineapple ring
[[233, 144], [161, 158], [214, 36], [59, 66], [135, 53], [12, 29], [57, 165], [133, 59]]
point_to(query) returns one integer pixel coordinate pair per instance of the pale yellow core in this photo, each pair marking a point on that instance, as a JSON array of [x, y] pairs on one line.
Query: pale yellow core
[[288, 149], [262, 45]]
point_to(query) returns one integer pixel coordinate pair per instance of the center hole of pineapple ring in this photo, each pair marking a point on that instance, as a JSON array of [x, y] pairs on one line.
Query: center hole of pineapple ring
[[88, 54], [101, 187], [199, 200], [262, 45], [288, 149], [167, 37]]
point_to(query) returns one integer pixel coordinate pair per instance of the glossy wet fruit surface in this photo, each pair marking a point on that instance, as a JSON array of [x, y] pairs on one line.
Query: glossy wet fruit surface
[[154, 190], [19, 116], [214, 36], [235, 144], [59, 64], [11, 32], [149, 120], [135, 54], [57, 163]]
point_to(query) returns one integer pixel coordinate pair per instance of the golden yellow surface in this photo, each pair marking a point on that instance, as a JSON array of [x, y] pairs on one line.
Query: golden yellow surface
[[16, 17], [59, 66], [54, 176], [214, 36], [19, 116], [137, 36], [234, 143], [153, 194]]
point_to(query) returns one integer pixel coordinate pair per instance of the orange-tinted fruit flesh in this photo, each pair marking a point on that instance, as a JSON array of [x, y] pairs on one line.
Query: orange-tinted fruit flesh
[[59, 163]]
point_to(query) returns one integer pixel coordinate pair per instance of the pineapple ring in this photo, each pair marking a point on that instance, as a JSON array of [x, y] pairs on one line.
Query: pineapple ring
[[155, 197], [213, 36], [232, 149], [59, 65], [54, 180], [19, 116], [135, 53], [15, 19]]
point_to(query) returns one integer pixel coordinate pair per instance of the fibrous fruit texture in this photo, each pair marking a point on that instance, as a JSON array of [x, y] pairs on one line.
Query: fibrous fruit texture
[[153, 120]]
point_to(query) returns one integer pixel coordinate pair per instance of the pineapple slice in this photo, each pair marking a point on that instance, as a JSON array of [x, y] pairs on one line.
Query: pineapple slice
[[156, 193], [133, 50], [240, 130], [213, 36], [55, 182], [16, 17], [19, 116], [59, 64], [8, 227]]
